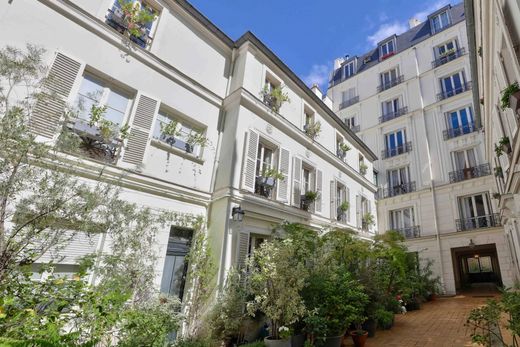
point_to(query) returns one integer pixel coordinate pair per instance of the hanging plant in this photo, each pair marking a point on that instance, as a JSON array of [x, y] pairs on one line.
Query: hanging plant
[[363, 168], [313, 129], [344, 206], [196, 138], [274, 97], [136, 18], [507, 93]]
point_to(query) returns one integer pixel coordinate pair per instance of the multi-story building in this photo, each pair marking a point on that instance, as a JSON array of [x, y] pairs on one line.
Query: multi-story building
[[410, 101], [183, 69], [494, 40]]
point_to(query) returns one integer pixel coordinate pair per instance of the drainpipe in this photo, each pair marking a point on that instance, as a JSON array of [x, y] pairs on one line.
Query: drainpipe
[[432, 185]]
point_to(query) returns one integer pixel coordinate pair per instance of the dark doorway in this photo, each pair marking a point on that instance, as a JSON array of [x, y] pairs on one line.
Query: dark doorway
[[475, 265]]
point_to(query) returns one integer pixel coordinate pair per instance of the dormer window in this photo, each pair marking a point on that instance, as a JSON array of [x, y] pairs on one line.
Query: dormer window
[[440, 22], [349, 69], [387, 49]]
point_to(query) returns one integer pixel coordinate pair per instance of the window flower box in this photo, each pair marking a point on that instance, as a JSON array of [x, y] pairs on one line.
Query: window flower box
[[387, 55]]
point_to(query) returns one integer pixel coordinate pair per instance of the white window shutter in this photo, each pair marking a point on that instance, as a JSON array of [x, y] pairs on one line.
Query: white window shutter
[[347, 198], [242, 249], [282, 186], [49, 109], [297, 173], [249, 168], [319, 190], [144, 114], [358, 211], [333, 208]]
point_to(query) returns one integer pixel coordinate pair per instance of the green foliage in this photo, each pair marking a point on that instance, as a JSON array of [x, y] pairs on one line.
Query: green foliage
[[254, 344], [313, 129], [363, 168], [170, 129], [344, 206], [194, 342], [108, 130], [275, 97], [498, 171], [506, 94], [136, 18], [383, 317], [197, 138], [311, 196], [272, 172], [344, 147], [368, 219]]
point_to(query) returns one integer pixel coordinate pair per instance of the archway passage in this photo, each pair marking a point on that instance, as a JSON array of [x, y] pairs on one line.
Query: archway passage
[[476, 267]]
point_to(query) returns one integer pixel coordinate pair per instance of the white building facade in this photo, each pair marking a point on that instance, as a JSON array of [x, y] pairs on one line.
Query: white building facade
[[410, 101], [494, 32], [183, 69]]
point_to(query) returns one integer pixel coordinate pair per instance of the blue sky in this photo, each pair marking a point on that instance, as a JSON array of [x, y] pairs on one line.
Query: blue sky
[[309, 34]]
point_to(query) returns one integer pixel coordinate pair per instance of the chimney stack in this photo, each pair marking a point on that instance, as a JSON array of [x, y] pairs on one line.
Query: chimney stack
[[316, 89], [413, 22]]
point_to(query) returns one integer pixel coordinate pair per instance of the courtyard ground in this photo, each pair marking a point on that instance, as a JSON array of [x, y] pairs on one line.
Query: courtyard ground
[[438, 323]]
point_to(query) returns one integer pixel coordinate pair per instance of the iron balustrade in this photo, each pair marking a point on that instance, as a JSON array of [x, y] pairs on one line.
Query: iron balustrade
[[394, 114], [486, 221], [403, 188], [390, 84], [392, 152], [349, 102], [410, 232], [355, 128], [448, 94], [469, 173], [448, 57], [459, 131]]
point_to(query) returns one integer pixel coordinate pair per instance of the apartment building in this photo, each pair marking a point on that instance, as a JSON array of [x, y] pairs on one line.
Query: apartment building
[[494, 38], [183, 72], [409, 99]]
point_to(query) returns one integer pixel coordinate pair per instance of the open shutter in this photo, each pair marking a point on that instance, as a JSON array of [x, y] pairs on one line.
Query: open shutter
[[297, 172], [358, 211], [138, 139], [249, 168], [49, 109], [333, 208], [370, 211], [242, 249], [283, 167], [319, 190], [347, 198]]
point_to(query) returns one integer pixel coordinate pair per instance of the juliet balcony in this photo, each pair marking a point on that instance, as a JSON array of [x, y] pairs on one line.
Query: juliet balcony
[[395, 151], [459, 131], [469, 173], [410, 232], [449, 93], [448, 56], [486, 221], [390, 84], [403, 188], [392, 115], [349, 102]]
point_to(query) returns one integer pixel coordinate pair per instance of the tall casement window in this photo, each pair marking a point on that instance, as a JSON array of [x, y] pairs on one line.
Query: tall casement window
[[460, 122], [390, 108], [96, 92], [340, 194], [403, 221], [352, 123], [475, 212], [388, 78], [453, 84], [349, 69], [387, 49], [399, 182], [306, 179], [395, 143], [464, 159], [440, 21], [348, 97], [175, 264], [266, 163], [184, 131]]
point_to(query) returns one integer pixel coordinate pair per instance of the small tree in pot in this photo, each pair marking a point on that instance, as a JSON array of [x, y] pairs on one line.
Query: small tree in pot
[[309, 198]]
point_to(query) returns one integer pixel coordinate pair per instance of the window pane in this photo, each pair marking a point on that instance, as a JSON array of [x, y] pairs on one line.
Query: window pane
[[485, 264], [473, 266], [114, 116], [91, 88], [479, 202], [117, 101]]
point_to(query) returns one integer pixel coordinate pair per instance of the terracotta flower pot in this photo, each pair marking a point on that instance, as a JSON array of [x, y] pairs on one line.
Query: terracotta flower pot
[[359, 340]]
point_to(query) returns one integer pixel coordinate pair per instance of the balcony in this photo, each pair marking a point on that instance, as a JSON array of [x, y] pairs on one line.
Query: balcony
[[391, 115], [354, 128], [448, 57], [469, 173], [462, 130], [487, 221], [448, 94], [392, 83], [349, 102], [410, 232], [403, 188], [392, 152]]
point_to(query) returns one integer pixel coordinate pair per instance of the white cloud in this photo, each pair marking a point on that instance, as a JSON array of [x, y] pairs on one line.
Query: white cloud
[[319, 75], [388, 29], [385, 30]]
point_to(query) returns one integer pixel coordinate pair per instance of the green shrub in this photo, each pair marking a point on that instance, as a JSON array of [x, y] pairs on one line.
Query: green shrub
[[254, 344]]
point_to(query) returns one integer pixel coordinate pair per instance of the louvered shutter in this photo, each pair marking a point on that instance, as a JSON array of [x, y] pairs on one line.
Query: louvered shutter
[[249, 168], [297, 172], [319, 190], [347, 198], [369, 211], [358, 211], [283, 167], [242, 249], [144, 114], [48, 111], [333, 208]]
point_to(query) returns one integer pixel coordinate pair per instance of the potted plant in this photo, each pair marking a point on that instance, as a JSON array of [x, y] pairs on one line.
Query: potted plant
[[363, 168], [169, 131], [496, 196], [359, 336], [504, 144], [499, 172], [447, 53], [312, 129], [274, 97], [267, 180], [367, 220], [134, 19], [343, 148], [510, 97], [384, 318], [308, 198], [195, 138], [342, 209]]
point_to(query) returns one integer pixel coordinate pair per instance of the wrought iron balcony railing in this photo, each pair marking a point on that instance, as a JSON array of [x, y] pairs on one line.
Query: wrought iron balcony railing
[[403, 188], [355, 128], [392, 83], [469, 173], [392, 152], [449, 93], [486, 221], [462, 130], [349, 102], [446, 58], [410, 232], [391, 115]]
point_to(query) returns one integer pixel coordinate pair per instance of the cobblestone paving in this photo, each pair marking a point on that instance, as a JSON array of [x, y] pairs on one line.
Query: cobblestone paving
[[439, 323]]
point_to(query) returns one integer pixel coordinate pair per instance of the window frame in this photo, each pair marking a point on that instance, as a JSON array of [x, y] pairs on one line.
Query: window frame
[[442, 25]]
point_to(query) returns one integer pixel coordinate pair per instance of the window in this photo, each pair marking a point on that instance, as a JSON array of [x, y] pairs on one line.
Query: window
[[362, 166], [96, 92], [269, 85], [184, 131], [175, 263], [341, 198], [265, 160], [402, 219], [116, 19], [479, 264], [388, 76], [395, 143], [453, 85], [351, 122], [464, 159], [390, 107], [349, 69], [440, 22], [475, 212], [348, 95], [307, 179], [447, 48], [387, 49], [309, 117], [460, 122], [398, 177]]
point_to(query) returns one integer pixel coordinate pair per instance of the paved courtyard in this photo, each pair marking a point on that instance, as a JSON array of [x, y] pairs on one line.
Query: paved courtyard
[[439, 323]]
